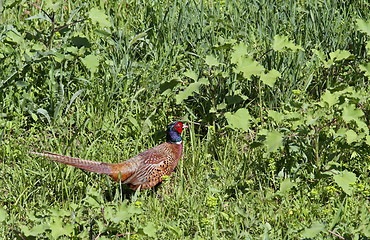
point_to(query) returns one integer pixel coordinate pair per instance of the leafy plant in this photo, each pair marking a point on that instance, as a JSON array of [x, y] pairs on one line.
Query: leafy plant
[[280, 92]]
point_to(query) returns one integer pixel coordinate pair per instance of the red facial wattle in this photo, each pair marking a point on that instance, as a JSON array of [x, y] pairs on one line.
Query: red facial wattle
[[179, 127]]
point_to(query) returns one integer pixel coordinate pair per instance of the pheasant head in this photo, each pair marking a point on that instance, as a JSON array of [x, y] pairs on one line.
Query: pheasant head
[[173, 132]]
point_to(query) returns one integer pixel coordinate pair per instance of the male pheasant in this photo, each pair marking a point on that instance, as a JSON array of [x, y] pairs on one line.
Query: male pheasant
[[144, 170]]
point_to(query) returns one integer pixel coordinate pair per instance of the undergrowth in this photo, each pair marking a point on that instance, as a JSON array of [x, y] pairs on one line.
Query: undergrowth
[[276, 94]]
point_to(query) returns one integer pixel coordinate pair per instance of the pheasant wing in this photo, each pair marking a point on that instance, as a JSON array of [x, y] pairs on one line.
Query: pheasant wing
[[155, 163]]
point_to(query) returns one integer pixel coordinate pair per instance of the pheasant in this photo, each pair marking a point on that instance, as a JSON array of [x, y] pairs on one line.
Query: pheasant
[[144, 170]]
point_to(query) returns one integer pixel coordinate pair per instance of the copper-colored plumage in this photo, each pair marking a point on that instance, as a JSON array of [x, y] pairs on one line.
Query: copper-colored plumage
[[145, 170]]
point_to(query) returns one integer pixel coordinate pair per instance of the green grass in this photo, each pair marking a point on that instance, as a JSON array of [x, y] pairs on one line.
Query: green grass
[[292, 163]]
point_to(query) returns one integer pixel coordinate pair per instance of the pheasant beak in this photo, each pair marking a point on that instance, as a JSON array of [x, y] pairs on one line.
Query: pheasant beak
[[185, 126]]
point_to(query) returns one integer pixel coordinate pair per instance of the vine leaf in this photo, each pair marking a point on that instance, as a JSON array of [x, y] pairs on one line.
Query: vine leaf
[[350, 112], [193, 87], [91, 62], [286, 185], [191, 74], [345, 180], [363, 26], [282, 43], [270, 78], [278, 117], [57, 228], [330, 98], [98, 16], [274, 140], [312, 231], [212, 61], [248, 66], [351, 136], [240, 50], [3, 214], [339, 55], [150, 230], [239, 120], [366, 68]]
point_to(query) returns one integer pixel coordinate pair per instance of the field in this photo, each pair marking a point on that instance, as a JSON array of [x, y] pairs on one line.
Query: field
[[276, 94]]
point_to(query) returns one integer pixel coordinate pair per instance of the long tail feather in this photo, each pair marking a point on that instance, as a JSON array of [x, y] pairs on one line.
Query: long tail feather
[[91, 166]]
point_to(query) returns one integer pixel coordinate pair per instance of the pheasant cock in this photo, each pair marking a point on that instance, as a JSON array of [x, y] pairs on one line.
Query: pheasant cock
[[144, 170]]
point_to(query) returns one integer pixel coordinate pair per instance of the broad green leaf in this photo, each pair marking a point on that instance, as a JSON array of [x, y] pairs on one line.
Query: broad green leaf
[[286, 185], [235, 99], [59, 212], [38, 229], [274, 140], [117, 216], [312, 231], [276, 116], [14, 37], [339, 55], [329, 98], [175, 229], [282, 43], [60, 57], [211, 61], [38, 47], [344, 180], [73, 50], [57, 228], [191, 74], [366, 68], [363, 26], [193, 87], [239, 120], [350, 112], [270, 77], [166, 87], [26, 231], [93, 197], [240, 50], [312, 117], [92, 201], [134, 210], [351, 136], [35, 231], [248, 66], [78, 42], [53, 5], [91, 62], [368, 140], [98, 16], [341, 131], [320, 54], [3, 214], [150, 230], [221, 106]]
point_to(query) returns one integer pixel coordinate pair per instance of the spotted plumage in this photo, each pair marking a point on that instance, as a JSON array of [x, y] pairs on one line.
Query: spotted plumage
[[144, 170]]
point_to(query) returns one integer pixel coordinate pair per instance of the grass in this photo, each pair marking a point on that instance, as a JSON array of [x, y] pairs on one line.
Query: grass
[[105, 87]]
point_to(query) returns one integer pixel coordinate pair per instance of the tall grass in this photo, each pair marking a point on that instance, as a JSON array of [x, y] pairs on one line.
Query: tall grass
[[225, 187]]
